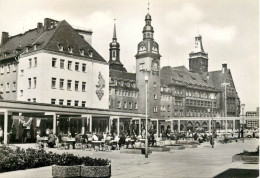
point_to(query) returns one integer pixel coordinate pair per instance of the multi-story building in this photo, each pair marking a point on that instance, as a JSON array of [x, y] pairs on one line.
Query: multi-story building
[[123, 92], [56, 64], [176, 92], [252, 123], [74, 73]]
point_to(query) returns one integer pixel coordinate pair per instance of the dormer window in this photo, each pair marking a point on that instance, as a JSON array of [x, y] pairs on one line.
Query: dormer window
[[90, 53], [60, 46], [180, 74], [27, 48], [82, 52], [6, 53], [70, 49]]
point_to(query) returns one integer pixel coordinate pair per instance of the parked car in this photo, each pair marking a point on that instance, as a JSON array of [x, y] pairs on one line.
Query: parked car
[[248, 133]]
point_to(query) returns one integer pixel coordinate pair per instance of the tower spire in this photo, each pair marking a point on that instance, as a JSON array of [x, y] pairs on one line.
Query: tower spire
[[114, 53], [114, 35], [148, 8]]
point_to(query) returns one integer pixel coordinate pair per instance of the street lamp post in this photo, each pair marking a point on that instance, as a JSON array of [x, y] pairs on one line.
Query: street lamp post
[[212, 118], [146, 78], [243, 120], [225, 88], [212, 130]]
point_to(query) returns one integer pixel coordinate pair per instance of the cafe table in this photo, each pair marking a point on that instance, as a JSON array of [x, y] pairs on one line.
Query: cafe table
[[69, 141], [43, 139]]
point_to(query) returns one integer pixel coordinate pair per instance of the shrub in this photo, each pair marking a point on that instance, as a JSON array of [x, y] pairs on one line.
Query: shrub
[[87, 161], [18, 159]]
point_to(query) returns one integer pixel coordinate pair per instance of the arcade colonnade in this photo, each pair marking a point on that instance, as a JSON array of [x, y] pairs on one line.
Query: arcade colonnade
[[60, 118], [218, 123], [65, 118]]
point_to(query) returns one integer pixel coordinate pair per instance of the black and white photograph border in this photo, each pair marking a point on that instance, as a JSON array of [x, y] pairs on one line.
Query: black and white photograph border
[[119, 88]]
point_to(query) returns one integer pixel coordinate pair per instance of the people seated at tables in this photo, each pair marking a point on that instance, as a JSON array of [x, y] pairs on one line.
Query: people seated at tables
[[47, 131], [143, 133], [84, 138], [51, 139], [69, 134], [100, 136], [200, 139], [117, 138], [60, 136], [43, 133], [168, 133], [151, 140], [78, 138], [94, 137], [38, 135], [133, 137], [73, 134], [104, 135], [195, 136], [122, 140]]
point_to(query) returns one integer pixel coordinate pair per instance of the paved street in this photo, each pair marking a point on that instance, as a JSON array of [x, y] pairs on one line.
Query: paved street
[[191, 162]]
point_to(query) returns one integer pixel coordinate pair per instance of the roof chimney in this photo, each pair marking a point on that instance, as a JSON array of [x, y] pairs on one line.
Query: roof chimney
[[4, 38], [50, 24], [39, 26], [224, 67]]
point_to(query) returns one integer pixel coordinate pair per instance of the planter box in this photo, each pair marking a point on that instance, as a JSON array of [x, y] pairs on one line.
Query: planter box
[[96, 171], [244, 158], [65, 171], [176, 147], [159, 149]]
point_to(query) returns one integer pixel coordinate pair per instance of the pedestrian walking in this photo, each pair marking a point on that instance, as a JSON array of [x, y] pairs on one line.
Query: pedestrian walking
[[212, 141]]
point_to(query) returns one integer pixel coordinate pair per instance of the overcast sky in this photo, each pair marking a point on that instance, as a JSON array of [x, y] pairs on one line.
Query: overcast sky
[[229, 30]]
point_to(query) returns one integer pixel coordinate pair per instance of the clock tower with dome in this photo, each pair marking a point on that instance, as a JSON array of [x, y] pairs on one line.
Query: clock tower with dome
[[148, 58]]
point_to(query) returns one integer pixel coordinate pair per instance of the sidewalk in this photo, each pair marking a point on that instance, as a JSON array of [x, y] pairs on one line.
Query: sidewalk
[[203, 161]]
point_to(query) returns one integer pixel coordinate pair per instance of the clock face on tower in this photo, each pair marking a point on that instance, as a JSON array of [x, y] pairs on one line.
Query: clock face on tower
[[142, 49], [155, 49]]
